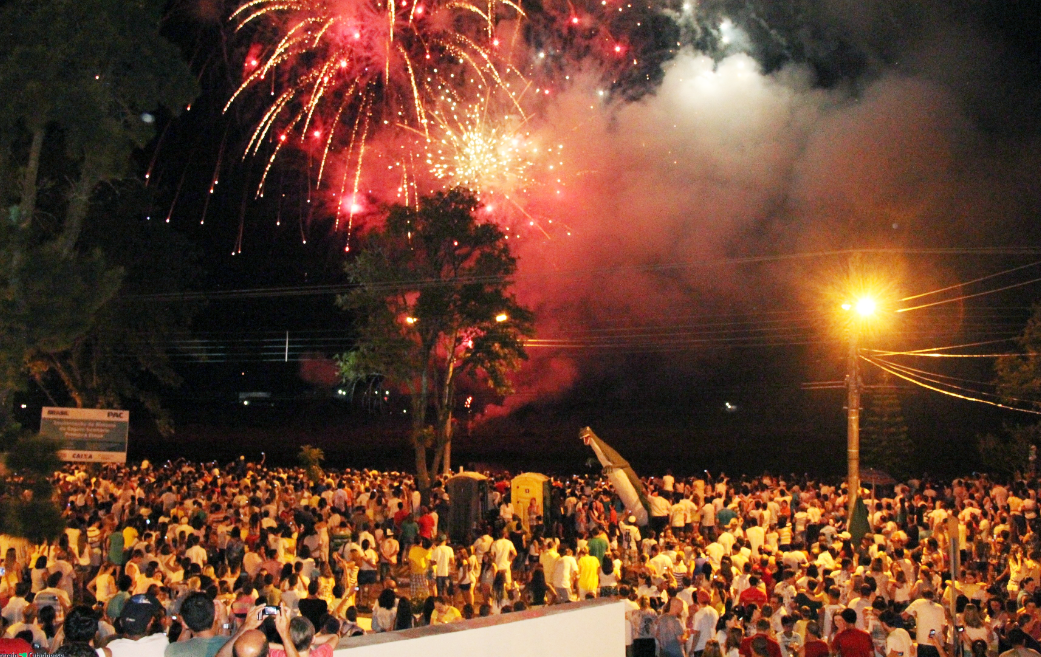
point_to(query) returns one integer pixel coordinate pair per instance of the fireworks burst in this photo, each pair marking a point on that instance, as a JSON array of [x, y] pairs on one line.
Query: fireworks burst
[[340, 70], [481, 152]]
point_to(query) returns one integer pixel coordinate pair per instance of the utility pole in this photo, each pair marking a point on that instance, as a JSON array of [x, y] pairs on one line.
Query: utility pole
[[853, 421]]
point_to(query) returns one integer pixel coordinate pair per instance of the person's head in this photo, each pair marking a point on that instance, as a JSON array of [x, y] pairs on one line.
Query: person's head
[[712, 649], [848, 616], [972, 616], [979, 648], [136, 619], [760, 647], [734, 638], [252, 643], [762, 626], [890, 620], [404, 618], [813, 628], [81, 624], [77, 649], [387, 599], [198, 612], [301, 632], [1016, 637]]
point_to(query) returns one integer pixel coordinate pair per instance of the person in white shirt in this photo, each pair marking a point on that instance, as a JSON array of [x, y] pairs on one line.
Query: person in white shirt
[[142, 630], [503, 553], [564, 577], [703, 621], [898, 641], [443, 558], [929, 618]]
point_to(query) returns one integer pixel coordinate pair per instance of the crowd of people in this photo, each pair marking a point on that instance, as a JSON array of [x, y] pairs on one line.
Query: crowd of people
[[185, 559]]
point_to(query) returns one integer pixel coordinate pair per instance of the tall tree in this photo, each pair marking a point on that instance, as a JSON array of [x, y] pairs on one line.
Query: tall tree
[[81, 80], [432, 301], [1018, 381], [123, 357], [884, 439], [1019, 377]]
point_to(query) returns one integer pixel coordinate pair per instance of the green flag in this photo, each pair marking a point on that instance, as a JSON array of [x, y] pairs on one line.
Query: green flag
[[858, 524]]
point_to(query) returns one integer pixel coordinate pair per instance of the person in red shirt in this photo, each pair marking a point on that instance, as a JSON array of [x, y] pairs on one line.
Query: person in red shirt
[[426, 524], [850, 641], [753, 595], [815, 647], [400, 515], [762, 629]]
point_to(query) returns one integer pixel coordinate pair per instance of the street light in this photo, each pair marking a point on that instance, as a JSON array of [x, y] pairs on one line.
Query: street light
[[865, 308], [501, 317]]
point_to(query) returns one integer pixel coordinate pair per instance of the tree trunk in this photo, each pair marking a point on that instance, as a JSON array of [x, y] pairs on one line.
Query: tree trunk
[[79, 204], [5, 162], [422, 474], [27, 207]]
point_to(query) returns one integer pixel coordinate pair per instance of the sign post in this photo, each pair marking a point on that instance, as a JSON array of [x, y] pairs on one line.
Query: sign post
[[87, 434]]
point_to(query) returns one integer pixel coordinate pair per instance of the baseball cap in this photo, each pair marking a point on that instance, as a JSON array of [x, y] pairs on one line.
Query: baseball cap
[[137, 614]]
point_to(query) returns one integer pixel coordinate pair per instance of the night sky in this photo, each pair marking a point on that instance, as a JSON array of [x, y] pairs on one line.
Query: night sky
[[703, 214]]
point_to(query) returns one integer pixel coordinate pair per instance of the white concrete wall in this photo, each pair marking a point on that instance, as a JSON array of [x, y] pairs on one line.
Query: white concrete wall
[[594, 628]]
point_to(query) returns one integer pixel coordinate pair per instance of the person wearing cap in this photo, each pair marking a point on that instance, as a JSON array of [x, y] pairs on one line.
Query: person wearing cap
[[703, 620], [141, 625]]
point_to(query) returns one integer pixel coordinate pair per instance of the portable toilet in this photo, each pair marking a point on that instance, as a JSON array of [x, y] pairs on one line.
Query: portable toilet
[[524, 488], [467, 504]]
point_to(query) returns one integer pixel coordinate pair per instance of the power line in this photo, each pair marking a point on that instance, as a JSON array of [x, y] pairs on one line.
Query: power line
[[320, 290], [969, 296], [975, 280], [905, 377]]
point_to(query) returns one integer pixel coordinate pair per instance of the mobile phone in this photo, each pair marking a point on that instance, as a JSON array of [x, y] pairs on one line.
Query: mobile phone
[[271, 611], [227, 626], [3, 571], [961, 629], [932, 633]]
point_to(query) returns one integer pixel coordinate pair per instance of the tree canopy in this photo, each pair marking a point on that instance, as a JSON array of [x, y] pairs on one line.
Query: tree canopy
[[432, 301]]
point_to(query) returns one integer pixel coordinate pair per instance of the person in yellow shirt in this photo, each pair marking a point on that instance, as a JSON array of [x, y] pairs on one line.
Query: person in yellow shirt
[[588, 573], [444, 612], [418, 565]]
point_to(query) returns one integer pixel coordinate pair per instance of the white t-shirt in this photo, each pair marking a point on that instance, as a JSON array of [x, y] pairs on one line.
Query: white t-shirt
[[565, 571], [150, 646], [704, 621], [928, 616], [899, 641], [443, 558], [501, 551]]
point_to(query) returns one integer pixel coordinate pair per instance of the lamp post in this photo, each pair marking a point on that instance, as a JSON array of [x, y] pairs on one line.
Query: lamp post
[[861, 310]]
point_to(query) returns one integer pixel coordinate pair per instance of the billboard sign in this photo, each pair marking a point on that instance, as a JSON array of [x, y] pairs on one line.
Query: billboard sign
[[87, 434]]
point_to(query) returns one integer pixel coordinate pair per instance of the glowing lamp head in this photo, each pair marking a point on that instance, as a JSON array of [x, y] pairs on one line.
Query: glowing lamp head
[[618, 49], [501, 317], [419, 9], [574, 20], [410, 320], [317, 134], [865, 307], [253, 62]]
